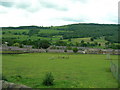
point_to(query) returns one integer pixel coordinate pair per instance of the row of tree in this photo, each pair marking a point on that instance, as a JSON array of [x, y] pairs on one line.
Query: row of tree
[[39, 43]]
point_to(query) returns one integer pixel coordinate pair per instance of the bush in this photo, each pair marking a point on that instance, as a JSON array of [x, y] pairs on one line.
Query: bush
[[48, 80], [91, 39], [75, 50], [4, 78], [65, 50]]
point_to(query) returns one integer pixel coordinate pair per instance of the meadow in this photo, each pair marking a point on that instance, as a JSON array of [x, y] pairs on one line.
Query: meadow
[[77, 71]]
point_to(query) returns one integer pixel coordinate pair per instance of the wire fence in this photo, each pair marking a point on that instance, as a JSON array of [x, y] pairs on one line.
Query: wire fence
[[115, 69]]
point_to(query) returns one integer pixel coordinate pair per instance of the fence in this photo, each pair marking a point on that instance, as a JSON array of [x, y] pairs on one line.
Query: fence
[[115, 69]]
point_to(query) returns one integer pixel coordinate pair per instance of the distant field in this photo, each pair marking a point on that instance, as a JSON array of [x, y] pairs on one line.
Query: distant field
[[80, 39], [79, 71], [101, 40], [10, 34], [50, 31]]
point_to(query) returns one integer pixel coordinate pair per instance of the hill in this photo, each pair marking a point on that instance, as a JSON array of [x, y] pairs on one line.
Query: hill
[[100, 33]]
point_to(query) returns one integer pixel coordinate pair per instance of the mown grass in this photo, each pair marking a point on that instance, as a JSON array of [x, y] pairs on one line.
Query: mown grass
[[79, 71]]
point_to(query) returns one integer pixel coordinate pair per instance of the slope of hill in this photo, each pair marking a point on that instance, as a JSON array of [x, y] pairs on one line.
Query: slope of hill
[[102, 32]]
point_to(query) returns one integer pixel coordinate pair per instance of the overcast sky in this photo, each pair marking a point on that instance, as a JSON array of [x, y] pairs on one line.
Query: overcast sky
[[57, 12]]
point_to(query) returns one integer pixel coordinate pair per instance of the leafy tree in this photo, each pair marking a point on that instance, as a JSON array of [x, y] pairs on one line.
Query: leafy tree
[[69, 39], [91, 39], [16, 44], [96, 43], [61, 43], [65, 50], [21, 46], [88, 44], [32, 32], [107, 44], [9, 31], [82, 41], [42, 44], [83, 44], [75, 50], [77, 44], [99, 44], [24, 33], [3, 32]]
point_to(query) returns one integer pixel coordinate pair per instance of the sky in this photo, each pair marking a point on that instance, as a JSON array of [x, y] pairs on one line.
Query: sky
[[57, 12]]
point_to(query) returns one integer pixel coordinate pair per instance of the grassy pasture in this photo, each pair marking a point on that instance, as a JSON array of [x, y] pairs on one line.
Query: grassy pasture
[[49, 31], [79, 71], [80, 39], [87, 39], [10, 34], [15, 31], [101, 40]]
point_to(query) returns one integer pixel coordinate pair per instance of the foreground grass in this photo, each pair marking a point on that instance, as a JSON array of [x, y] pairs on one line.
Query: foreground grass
[[79, 71]]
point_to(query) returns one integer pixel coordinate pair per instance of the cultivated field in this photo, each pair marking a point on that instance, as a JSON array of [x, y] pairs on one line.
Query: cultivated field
[[69, 71]]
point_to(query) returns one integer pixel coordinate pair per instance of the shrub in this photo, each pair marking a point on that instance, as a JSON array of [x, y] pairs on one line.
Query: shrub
[[65, 50], [4, 78], [75, 50], [48, 80], [91, 39]]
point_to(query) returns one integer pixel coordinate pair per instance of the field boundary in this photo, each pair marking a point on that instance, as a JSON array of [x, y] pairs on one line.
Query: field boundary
[[114, 70]]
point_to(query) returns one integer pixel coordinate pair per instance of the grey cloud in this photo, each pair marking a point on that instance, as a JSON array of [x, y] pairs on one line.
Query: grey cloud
[[82, 1], [53, 6], [72, 19], [3, 12], [23, 5], [112, 18], [32, 10], [27, 6], [6, 4], [115, 20]]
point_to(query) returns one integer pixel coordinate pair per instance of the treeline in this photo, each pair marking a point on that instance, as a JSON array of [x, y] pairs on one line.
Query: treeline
[[25, 27], [40, 43], [92, 30], [35, 43]]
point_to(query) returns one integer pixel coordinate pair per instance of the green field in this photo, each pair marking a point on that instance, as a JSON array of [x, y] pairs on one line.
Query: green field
[[10, 34], [79, 71]]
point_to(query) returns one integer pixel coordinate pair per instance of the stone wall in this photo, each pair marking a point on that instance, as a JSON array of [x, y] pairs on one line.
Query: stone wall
[[7, 85]]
